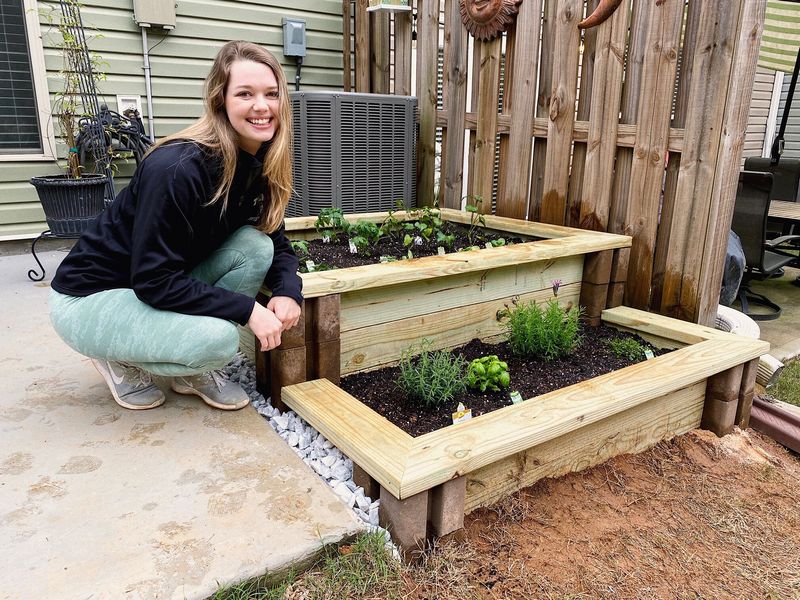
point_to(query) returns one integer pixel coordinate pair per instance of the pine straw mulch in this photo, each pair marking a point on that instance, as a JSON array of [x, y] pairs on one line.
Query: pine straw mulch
[[694, 517]]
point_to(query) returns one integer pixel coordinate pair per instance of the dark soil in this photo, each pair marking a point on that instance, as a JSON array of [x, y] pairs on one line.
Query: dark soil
[[531, 377], [336, 254]]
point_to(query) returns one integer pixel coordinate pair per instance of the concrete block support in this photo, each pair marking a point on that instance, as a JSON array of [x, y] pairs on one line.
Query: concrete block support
[[446, 510], [363, 479], [405, 519], [722, 400]]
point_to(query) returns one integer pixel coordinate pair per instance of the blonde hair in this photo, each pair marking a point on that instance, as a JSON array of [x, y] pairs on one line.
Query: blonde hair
[[214, 131]]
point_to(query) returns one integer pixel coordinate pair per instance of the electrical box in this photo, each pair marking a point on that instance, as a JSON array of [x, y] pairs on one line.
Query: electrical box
[[154, 13], [294, 37], [125, 102]]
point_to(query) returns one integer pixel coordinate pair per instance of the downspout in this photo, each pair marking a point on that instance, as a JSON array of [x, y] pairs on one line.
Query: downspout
[[147, 85]]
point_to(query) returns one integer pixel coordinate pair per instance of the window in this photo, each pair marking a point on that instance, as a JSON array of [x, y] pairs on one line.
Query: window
[[25, 128]]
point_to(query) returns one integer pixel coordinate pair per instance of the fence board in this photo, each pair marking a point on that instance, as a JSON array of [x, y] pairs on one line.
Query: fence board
[[379, 55], [740, 90], [455, 84], [542, 108], [427, 57], [711, 70], [488, 93], [346, 40], [585, 86], [647, 169], [362, 46], [562, 111], [513, 200], [402, 53]]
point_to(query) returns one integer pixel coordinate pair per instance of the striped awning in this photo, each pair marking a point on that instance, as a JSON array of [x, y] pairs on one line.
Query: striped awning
[[781, 37]]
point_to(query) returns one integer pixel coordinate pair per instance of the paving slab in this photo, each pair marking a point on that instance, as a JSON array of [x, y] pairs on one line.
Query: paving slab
[[97, 501]]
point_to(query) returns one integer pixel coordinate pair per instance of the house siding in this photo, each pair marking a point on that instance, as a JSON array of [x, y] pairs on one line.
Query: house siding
[[759, 113], [179, 61], [792, 135]]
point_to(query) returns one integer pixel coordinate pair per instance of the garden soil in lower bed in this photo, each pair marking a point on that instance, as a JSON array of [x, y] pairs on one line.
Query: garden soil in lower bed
[[530, 377]]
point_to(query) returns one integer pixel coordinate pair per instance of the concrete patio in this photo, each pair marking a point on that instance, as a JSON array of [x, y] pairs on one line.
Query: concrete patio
[[100, 502]]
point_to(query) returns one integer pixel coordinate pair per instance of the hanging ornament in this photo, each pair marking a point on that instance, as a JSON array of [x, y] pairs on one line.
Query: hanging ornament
[[486, 19], [388, 5]]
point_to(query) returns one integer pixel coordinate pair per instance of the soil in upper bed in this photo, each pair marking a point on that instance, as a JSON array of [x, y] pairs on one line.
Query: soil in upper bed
[[336, 254], [531, 377]]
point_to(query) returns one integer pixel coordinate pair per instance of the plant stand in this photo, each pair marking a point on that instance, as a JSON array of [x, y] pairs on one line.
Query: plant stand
[[46, 235]]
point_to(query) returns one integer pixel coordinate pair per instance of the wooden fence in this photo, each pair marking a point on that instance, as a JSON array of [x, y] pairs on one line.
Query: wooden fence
[[633, 127]]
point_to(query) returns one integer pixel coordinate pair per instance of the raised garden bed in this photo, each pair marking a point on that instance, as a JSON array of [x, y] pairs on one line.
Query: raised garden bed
[[360, 318], [439, 476]]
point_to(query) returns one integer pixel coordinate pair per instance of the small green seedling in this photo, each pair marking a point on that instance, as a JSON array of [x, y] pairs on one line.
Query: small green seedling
[[432, 378], [300, 247], [331, 223], [488, 373], [627, 348]]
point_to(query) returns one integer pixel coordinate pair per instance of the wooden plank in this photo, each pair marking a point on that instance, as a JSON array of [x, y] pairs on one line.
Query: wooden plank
[[441, 455], [685, 242], [364, 308], [562, 111], [637, 49], [379, 52], [585, 86], [507, 86], [362, 47], [513, 199], [474, 55], [346, 45], [368, 276], [369, 440], [595, 200], [455, 84], [647, 170], [542, 108], [629, 432], [383, 344], [685, 70], [728, 159], [427, 52], [483, 163], [402, 53]]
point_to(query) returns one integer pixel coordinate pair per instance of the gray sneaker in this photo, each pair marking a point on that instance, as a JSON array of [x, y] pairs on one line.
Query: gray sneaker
[[214, 388], [131, 386]]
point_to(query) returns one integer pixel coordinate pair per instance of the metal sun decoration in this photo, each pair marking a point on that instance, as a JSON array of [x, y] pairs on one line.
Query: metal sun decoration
[[486, 19]]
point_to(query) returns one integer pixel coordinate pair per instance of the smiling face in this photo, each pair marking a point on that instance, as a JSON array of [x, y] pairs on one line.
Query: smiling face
[[252, 102]]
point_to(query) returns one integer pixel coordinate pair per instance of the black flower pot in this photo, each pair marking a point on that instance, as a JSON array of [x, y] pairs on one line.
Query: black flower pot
[[70, 205]]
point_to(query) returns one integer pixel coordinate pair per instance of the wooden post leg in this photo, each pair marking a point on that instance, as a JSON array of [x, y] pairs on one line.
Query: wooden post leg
[[619, 275], [287, 362], [722, 399], [405, 519], [746, 392], [447, 506], [323, 334], [594, 287]]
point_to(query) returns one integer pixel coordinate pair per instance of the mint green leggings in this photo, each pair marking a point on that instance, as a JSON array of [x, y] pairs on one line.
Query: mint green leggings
[[116, 325]]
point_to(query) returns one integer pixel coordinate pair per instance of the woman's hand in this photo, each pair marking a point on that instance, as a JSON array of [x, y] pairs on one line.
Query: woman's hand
[[265, 326], [286, 309]]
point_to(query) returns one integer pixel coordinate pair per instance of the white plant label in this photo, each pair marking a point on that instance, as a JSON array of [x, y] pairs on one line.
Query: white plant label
[[310, 266], [352, 245], [516, 397], [462, 414], [440, 251], [326, 239], [648, 354], [418, 241]]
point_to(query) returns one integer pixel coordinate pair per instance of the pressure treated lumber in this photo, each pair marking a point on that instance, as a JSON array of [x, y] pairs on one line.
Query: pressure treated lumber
[[402, 53], [513, 199], [628, 432], [455, 86], [746, 394], [722, 396], [483, 162], [427, 50], [562, 112], [362, 47]]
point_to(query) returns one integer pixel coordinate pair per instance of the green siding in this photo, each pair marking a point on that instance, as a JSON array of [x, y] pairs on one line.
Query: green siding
[[179, 62]]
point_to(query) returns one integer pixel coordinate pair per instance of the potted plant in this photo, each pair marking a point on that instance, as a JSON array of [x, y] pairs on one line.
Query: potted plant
[[73, 199]]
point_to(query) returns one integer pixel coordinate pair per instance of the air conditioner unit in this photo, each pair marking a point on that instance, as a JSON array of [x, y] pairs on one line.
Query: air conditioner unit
[[353, 151]]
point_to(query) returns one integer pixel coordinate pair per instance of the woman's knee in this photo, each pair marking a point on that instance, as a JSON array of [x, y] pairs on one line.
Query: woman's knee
[[218, 344], [254, 244]]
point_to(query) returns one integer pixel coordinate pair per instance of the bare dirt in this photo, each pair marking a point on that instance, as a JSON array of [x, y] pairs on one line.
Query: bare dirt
[[694, 517]]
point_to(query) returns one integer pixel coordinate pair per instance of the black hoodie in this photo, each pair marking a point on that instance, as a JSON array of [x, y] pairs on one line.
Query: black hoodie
[[158, 229]]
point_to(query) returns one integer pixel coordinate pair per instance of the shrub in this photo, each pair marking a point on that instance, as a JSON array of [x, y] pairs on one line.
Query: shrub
[[433, 378], [548, 333], [488, 372], [626, 348]]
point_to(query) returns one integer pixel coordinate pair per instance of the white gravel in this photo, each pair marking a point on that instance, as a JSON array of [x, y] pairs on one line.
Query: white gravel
[[310, 445]]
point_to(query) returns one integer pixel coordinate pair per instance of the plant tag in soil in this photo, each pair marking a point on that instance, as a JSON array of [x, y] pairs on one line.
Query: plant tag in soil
[[648, 354], [310, 266], [385, 259], [418, 241], [326, 239], [440, 250], [516, 397], [462, 414], [353, 248], [489, 245]]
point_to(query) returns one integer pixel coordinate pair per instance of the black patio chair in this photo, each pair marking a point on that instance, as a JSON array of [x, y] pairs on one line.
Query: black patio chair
[[763, 257]]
